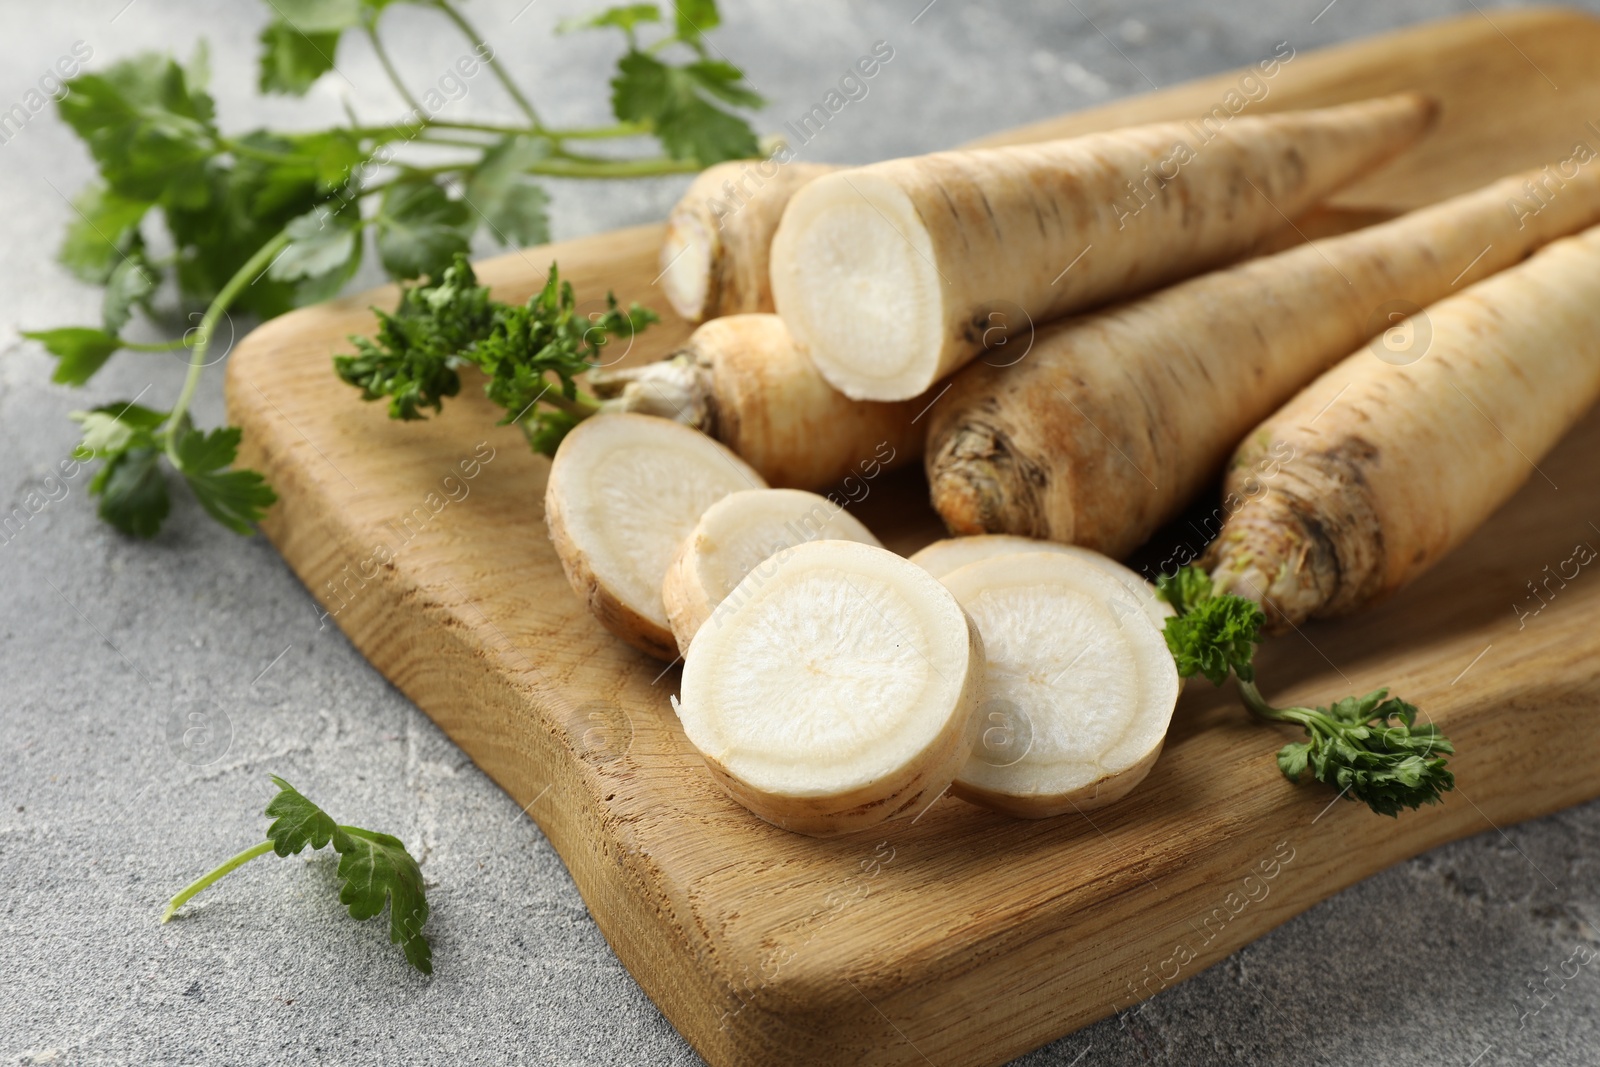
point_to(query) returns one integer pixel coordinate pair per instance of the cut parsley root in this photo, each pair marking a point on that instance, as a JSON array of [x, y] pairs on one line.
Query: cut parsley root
[[374, 869], [1080, 686], [742, 380], [839, 691], [1114, 421], [734, 536], [1369, 748], [1395, 463], [893, 275], [624, 491], [714, 256], [943, 557]]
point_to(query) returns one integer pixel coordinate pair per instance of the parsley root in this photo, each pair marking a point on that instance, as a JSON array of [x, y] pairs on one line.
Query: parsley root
[[736, 535], [839, 691], [1079, 685], [1396, 463], [714, 256], [742, 380], [624, 491], [1112, 422], [893, 275]]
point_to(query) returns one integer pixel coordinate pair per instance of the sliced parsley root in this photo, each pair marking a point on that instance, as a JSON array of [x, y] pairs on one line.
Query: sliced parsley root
[[374, 869], [1369, 748], [451, 322]]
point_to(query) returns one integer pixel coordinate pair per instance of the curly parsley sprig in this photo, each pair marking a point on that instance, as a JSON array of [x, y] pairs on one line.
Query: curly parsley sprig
[[265, 221], [374, 869], [1368, 747], [451, 322]]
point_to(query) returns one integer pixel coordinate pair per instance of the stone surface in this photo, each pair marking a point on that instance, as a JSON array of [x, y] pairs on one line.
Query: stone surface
[[109, 647]]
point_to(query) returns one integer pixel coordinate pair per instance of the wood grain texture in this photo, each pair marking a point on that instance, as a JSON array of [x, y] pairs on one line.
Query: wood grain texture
[[962, 937]]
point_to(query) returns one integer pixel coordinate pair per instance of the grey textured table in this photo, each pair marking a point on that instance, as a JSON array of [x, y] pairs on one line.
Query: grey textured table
[[107, 644]]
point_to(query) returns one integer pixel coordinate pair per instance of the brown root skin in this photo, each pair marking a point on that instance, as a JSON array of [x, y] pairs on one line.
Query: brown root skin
[[1397, 462], [741, 380], [978, 485], [714, 258], [1126, 414]]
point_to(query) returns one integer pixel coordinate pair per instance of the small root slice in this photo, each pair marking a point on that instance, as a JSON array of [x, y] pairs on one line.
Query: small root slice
[[624, 491], [838, 691], [736, 534], [1080, 686]]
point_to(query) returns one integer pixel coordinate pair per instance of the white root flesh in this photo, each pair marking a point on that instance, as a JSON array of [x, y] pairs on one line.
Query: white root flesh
[[624, 491], [942, 557], [714, 255], [1079, 694], [734, 535], [839, 692]]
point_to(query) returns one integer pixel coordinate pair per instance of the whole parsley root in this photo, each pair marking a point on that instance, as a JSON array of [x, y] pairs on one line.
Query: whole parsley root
[[1115, 421], [1395, 463], [1369, 748], [374, 869], [894, 275]]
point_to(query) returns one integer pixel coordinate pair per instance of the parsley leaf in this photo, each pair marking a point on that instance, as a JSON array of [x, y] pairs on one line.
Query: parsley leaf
[[234, 498], [669, 99], [511, 206], [375, 870], [131, 282], [133, 491], [420, 229], [291, 61], [147, 128], [101, 232], [1369, 747], [79, 351]]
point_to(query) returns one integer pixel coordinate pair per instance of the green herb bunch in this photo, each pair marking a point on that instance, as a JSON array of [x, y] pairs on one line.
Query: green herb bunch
[[264, 221], [451, 322], [1370, 748]]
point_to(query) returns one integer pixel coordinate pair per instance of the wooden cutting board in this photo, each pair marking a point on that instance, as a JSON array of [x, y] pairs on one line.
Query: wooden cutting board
[[961, 937]]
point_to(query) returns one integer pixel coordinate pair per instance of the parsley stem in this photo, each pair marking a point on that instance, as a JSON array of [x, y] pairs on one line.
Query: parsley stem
[[1305, 717], [479, 41], [246, 275], [388, 66], [206, 879], [619, 168], [600, 133], [158, 346]]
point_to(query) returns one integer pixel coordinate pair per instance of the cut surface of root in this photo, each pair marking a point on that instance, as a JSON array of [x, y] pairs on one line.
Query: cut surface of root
[[736, 534], [861, 232], [1079, 691], [624, 491], [837, 692], [942, 557]]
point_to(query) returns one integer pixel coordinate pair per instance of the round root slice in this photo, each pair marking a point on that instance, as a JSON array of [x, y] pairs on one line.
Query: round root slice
[[942, 557], [839, 691], [1079, 692], [624, 491], [733, 536]]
